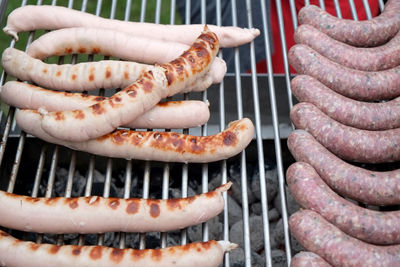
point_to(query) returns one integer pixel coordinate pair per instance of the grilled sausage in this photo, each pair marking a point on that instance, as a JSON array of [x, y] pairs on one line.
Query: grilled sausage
[[361, 115], [99, 215], [370, 187], [158, 146], [356, 84], [171, 114], [308, 259], [310, 191], [126, 105], [323, 238], [89, 76], [14, 252], [368, 59], [29, 18], [358, 33], [347, 142]]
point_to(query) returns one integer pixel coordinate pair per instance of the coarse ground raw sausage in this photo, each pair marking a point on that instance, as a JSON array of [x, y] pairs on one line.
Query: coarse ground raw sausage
[[29, 18], [165, 115], [158, 146], [344, 141], [370, 187], [368, 59], [129, 103], [87, 76], [323, 238], [310, 191], [361, 115], [15, 252], [371, 32], [356, 84], [308, 259], [95, 214]]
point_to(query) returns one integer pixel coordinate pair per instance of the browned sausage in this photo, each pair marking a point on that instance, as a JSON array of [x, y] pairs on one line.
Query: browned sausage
[[358, 33], [310, 191], [356, 84], [370, 187], [362, 115], [323, 238], [347, 142]]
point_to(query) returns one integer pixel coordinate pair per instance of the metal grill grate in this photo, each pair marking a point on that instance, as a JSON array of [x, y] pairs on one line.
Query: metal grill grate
[[232, 99]]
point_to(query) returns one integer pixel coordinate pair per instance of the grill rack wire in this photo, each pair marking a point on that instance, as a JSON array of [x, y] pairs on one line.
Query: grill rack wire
[[8, 125]]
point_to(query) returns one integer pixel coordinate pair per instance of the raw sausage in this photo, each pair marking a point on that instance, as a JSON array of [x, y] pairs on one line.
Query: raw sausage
[[29, 18], [126, 105], [88, 76], [323, 238], [95, 214], [310, 191], [370, 187], [368, 59], [358, 33], [356, 84], [165, 115], [344, 141], [14, 252], [361, 115], [158, 146], [308, 259]]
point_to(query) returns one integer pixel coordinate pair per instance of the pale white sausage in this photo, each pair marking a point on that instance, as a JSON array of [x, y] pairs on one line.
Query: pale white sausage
[[14, 252], [88, 76], [95, 214], [129, 103], [29, 18], [171, 114], [158, 146]]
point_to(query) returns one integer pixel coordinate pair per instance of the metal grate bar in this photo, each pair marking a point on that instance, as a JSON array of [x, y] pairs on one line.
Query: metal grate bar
[[337, 9], [322, 4], [353, 10], [367, 9]]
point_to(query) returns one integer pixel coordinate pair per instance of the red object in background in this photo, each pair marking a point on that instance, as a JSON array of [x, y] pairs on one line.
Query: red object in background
[[277, 56]]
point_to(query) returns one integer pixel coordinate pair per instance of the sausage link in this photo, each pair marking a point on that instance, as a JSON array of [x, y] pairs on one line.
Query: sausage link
[[165, 115], [310, 191], [158, 146], [129, 103], [371, 32], [361, 115], [113, 43], [99, 215], [308, 259], [356, 84], [370, 187], [15, 252], [29, 18], [88, 76], [368, 59], [323, 238], [347, 142]]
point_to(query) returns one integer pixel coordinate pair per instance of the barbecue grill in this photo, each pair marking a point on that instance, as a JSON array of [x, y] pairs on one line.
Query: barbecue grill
[[28, 165]]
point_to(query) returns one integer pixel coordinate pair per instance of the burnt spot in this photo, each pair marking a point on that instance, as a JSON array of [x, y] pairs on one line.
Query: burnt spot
[[73, 77], [157, 136], [229, 138], [76, 251], [78, 114], [170, 77], [148, 86], [4, 234], [51, 200], [91, 77], [59, 116], [211, 194], [44, 70], [156, 254], [209, 38], [54, 249], [198, 249], [154, 207], [68, 50], [99, 98], [96, 50], [119, 137], [191, 199], [207, 245], [58, 73], [138, 254], [131, 92], [72, 202], [113, 203], [32, 199], [34, 246], [98, 109], [174, 203], [82, 50], [108, 72], [116, 255], [133, 206], [126, 75], [117, 99], [96, 252], [139, 138]]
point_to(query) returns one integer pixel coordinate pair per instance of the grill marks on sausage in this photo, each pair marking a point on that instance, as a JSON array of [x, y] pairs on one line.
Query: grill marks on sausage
[[113, 203], [76, 251], [72, 202], [53, 249], [154, 207], [96, 253], [138, 254], [98, 108], [133, 206], [117, 255]]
